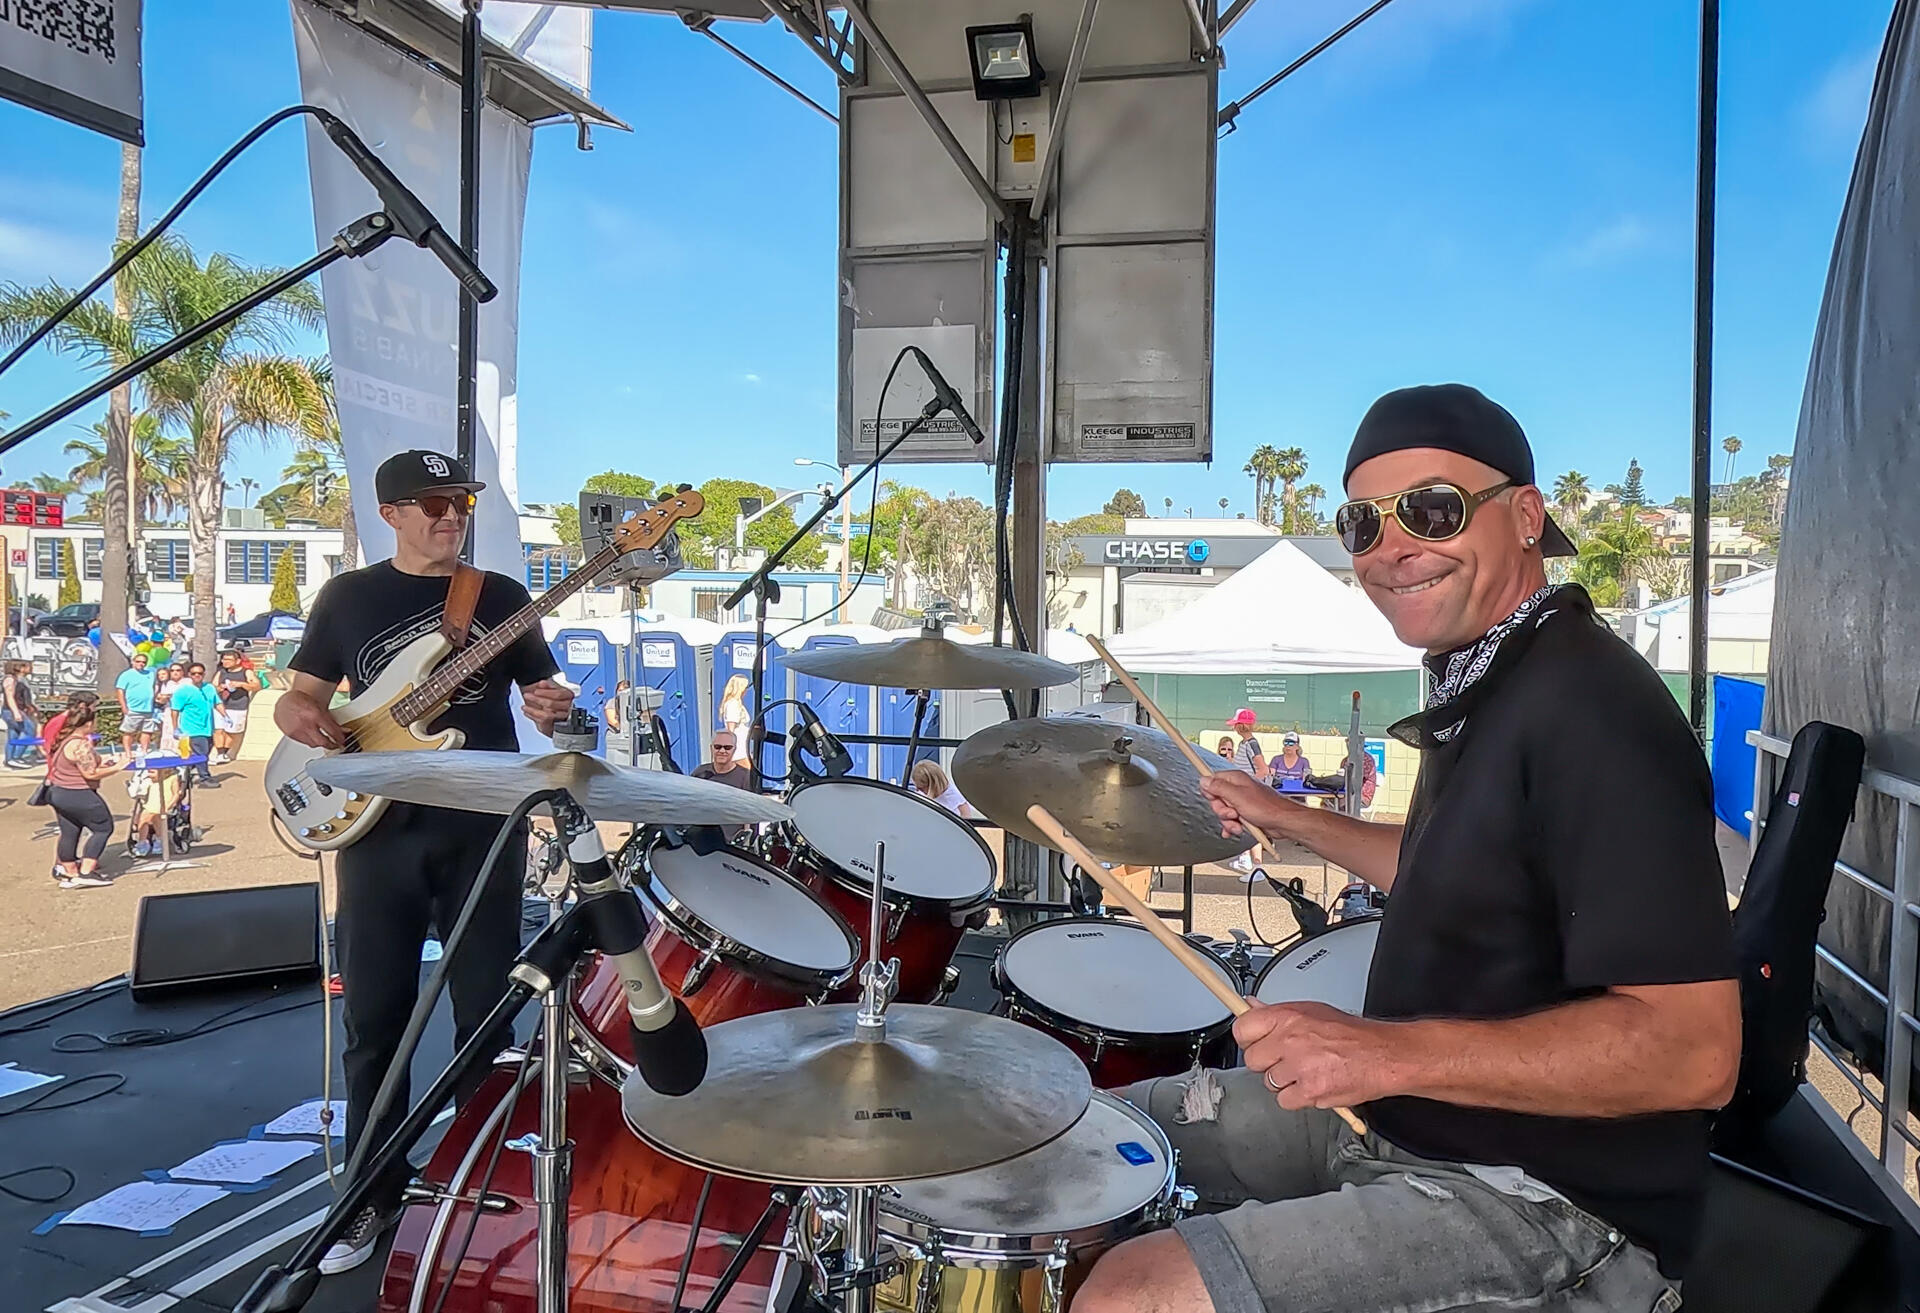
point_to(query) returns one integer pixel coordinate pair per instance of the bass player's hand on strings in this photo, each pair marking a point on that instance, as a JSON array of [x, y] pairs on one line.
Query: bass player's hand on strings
[[301, 714]]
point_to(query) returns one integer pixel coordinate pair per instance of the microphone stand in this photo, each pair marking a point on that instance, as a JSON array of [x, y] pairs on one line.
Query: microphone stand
[[358, 238], [764, 589]]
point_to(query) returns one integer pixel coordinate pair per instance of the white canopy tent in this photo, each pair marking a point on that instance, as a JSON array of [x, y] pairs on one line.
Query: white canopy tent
[[1281, 615]]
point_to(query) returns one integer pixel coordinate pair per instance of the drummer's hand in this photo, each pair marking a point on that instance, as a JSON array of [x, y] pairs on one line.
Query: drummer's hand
[[1315, 1056], [545, 703], [1237, 798]]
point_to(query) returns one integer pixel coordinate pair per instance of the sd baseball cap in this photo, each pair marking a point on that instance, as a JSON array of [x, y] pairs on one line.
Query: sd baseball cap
[[1457, 418], [413, 472]]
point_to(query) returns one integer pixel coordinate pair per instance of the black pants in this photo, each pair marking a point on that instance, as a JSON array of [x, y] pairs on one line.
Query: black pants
[[410, 872], [77, 810]]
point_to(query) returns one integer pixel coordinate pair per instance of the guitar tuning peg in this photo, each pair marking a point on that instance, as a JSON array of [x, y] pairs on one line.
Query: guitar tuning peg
[[684, 487]]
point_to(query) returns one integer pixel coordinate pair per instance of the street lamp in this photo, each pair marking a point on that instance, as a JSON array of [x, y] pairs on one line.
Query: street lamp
[[846, 516], [740, 522]]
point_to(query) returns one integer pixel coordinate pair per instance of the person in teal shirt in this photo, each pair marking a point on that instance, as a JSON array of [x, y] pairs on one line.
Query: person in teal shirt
[[192, 707]]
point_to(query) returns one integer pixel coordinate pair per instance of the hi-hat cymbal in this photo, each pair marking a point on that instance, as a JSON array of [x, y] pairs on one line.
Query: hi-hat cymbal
[[1125, 791], [497, 782], [929, 660], [796, 1098]]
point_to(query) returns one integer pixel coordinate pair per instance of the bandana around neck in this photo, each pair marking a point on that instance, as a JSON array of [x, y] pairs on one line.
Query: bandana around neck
[[1451, 675]]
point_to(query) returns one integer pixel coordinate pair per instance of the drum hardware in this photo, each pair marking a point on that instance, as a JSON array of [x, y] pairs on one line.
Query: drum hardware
[[781, 1197], [422, 1192]]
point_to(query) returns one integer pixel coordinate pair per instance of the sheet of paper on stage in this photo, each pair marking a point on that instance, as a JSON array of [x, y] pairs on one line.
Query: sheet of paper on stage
[[244, 1162], [16, 1080], [305, 1120], [143, 1206]]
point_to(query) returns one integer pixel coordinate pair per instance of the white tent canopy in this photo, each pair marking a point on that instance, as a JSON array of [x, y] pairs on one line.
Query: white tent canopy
[[1281, 615]]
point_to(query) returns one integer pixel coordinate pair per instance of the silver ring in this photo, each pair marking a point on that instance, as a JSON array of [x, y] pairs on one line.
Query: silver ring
[[1267, 1080]]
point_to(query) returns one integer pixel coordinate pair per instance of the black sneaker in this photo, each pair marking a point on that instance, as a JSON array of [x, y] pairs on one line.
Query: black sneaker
[[357, 1243]]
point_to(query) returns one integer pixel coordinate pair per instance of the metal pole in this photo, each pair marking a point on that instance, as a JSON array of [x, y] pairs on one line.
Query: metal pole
[[467, 359], [552, 1161], [1199, 21], [1075, 58], [846, 529], [1705, 168], [903, 79]]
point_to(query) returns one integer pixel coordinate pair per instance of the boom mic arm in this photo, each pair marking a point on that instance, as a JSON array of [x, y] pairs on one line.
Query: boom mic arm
[[816, 738]]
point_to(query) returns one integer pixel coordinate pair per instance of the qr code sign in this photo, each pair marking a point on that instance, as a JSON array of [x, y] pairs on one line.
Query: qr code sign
[[83, 26]]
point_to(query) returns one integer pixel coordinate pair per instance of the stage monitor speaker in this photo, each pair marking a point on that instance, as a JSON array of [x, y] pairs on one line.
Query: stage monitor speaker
[[220, 937], [1766, 1246]]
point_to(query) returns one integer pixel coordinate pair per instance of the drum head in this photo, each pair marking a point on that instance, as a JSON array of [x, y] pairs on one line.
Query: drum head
[[1114, 976], [1108, 1167], [1330, 968], [931, 853], [753, 904]]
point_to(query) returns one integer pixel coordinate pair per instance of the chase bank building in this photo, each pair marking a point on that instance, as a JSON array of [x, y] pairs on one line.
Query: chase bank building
[[1154, 567]]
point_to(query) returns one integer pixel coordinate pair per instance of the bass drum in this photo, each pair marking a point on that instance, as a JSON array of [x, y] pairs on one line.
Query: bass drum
[[1329, 968], [627, 1226]]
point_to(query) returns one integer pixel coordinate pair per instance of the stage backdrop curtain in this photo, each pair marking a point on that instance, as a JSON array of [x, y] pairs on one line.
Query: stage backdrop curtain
[[1846, 628], [392, 318]]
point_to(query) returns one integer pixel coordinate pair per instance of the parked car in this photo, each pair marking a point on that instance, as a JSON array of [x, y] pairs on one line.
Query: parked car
[[69, 621], [22, 619]]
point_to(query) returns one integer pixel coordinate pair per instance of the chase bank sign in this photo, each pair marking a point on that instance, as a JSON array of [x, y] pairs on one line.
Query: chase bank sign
[[1155, 551]]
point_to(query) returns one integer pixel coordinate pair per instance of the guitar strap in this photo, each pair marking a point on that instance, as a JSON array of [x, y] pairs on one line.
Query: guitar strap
[[463, 594]]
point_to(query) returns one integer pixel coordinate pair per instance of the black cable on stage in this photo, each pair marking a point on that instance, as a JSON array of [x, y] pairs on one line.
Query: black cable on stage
[[25, 1197], [48, 1100], [436, 982], [41, 1024], [486, 1180], [166, 220], [155, 1037]]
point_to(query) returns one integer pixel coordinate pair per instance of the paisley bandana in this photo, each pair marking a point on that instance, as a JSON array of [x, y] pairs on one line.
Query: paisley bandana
[[1451, 675]]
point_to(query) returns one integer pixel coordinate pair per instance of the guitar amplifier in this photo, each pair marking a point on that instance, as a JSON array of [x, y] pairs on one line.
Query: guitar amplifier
[[268, 934]]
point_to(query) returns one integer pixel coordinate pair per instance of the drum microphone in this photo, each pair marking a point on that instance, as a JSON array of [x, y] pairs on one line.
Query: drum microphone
[[947, 399], [835, 760], [669, 1051], [1307, 914]]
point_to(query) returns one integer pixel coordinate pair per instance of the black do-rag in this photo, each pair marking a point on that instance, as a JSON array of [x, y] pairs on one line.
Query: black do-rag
[[1457, 418]]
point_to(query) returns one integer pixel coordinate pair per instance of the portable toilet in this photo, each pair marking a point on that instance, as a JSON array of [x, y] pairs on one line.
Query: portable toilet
[[589, 662], [733, 658], [843, 708], [676, 657]]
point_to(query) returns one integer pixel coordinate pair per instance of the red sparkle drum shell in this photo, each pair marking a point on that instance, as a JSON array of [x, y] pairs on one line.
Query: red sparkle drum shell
[[939, 872], [1112, 993], [630, 1214]]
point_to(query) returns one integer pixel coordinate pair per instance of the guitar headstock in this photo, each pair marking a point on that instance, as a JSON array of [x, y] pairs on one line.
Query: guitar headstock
[[644, 529]]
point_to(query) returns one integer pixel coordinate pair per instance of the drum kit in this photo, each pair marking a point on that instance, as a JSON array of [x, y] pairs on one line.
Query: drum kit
[[851, 1144]]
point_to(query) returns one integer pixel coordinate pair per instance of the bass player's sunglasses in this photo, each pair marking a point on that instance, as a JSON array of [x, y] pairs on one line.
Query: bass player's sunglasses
[[438, 504], [1433, 513]]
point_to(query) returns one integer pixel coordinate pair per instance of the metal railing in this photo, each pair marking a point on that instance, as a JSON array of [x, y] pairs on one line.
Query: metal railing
[[1899, 999]]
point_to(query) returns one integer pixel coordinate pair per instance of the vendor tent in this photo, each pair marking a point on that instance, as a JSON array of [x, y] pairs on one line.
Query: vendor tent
[[1280, 615]]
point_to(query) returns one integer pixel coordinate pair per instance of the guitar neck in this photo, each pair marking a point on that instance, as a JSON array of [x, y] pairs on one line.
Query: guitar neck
[[438, 688]]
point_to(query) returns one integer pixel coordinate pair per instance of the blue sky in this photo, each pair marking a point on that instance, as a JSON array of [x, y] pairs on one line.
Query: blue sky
[[1494, 191]]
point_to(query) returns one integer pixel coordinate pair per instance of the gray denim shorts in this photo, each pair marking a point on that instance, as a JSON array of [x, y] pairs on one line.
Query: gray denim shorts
[[137, 724], [1298, 1214]]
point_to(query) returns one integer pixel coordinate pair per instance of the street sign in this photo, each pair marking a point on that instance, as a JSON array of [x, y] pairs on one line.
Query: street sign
[[17, 558]]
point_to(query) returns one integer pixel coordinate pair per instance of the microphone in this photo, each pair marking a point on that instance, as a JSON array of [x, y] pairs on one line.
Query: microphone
[[1307, 914], [949, 399], [669, 1051], [817, 739], [411, 218]]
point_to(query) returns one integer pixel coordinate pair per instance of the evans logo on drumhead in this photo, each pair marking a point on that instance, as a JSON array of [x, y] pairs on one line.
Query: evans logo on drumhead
[[1086, 934], [1309, 959], [747, 871]]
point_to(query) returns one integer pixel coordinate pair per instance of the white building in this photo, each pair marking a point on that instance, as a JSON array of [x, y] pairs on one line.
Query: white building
[[1739, 627]]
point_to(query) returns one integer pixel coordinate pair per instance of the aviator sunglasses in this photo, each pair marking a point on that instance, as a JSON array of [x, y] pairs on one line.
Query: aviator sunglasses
[[438, 504], [1433, 513]]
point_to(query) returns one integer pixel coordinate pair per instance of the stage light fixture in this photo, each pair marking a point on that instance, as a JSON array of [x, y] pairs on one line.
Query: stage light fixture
[[1005, 66]]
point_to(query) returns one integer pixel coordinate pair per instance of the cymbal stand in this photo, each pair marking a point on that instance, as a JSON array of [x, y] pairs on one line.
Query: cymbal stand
[[553, 1154], [921, 696], [878, 983]]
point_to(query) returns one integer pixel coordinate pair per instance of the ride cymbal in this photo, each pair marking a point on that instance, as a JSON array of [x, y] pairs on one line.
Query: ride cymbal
[[1125, 791], [796, 1098], [930, 660], [497, 782]]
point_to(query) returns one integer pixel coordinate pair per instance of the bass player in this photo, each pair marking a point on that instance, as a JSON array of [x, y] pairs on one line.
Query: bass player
[[414, 868]]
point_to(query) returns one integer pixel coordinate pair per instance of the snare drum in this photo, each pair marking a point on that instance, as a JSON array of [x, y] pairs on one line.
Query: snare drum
[[939, 873], [733, 936], [1020, 1236], [1329, 968], [1113, 994]]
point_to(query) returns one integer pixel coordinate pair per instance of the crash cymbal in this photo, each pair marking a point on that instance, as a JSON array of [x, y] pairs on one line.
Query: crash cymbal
[[931, 660], [1125, 791], [795, 1098], [497, 782]]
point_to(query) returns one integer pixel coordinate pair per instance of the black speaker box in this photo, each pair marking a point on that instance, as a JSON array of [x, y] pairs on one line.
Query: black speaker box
[[218, 937], [1769, 1247]]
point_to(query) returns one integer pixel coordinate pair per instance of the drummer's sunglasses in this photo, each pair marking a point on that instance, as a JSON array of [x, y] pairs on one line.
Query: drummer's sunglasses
[[438, 504], [1433, 513]]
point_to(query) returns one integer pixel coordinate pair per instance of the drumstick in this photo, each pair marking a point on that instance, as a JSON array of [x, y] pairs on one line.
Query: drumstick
[[1159, 718], [1188, 955]]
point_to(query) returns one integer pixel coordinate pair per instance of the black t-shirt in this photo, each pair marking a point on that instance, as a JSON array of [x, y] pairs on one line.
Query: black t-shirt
[[237, 685], [363, 618], [1560, 843], [739, 777]]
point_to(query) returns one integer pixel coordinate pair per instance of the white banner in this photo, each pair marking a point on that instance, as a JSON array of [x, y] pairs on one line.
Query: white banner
[[392, 318], [77, 59]]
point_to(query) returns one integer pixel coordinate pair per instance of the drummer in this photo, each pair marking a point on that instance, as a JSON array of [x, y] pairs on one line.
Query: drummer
[[1551, 1011]]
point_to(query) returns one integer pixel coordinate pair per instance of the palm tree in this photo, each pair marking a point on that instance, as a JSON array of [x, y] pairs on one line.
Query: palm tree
[[1263, 466], [1308, 517], [1609, 560], [321, 434], [1775, 482], [1290, 467], [234, 383], [159, 463], [1169, 504], [1223, 506], [1730, 445], [1570, 493], [54, 486]]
